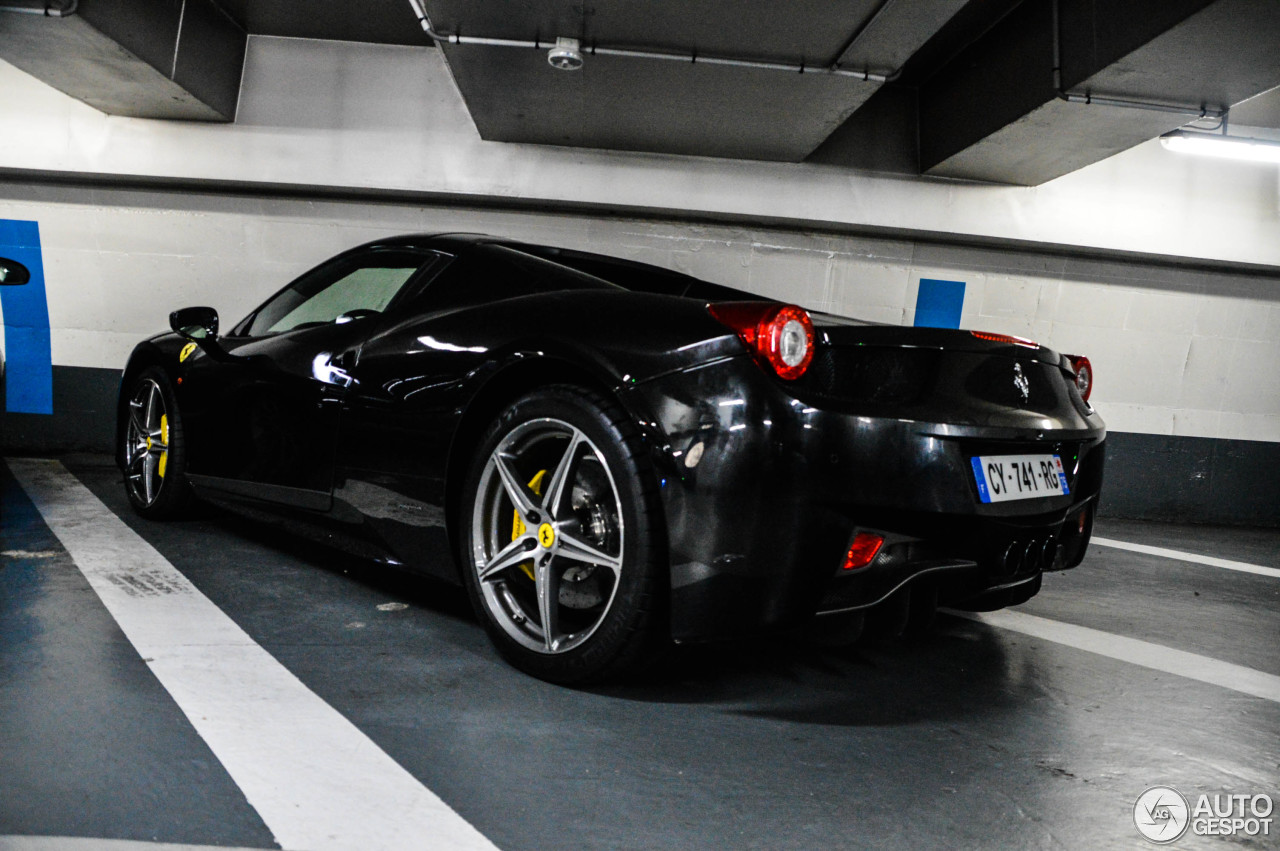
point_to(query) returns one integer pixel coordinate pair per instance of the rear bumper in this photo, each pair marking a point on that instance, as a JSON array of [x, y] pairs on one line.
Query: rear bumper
[[763, 492]]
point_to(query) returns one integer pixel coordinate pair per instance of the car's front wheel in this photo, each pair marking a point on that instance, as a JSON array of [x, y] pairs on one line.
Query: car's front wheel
[[154, 450], [562, 546]]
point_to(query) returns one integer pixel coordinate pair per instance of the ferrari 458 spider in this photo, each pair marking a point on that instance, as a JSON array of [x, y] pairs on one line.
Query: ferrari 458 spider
[[610, 456]]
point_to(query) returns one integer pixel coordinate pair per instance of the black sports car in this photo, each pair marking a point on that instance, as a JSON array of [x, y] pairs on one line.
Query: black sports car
[[611, 456]]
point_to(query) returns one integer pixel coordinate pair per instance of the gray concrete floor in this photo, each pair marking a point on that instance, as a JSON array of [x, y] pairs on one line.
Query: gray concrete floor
[[972, 738]]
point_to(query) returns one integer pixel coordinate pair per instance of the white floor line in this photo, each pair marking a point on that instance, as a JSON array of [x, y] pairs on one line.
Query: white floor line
[[1212, 561], [78, 843], [1148, 655], [317, 781]]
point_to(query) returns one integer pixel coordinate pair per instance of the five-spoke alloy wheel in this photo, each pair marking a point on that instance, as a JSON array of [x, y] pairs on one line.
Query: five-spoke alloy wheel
[[561, 540], [153, 450]]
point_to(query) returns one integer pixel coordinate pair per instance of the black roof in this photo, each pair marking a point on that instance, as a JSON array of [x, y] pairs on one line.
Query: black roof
[[629, 274]]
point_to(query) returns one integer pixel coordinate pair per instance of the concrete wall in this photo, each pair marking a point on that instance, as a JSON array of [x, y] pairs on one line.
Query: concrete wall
[[1176, 351], [1183, 325]]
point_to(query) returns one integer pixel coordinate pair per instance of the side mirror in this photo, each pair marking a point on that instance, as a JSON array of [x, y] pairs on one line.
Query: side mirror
[[13, 273], [196, 324]]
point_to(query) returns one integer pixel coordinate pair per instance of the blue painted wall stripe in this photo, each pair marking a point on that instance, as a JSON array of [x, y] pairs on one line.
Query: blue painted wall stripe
[[939, 303], [28, 367]]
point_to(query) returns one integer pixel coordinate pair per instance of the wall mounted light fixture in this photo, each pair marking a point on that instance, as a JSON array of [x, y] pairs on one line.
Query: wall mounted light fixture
[[1228, 147]]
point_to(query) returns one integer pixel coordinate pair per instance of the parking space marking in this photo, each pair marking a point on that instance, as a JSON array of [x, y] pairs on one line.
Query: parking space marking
[[78, 843], [1136, 652], [317, 781], [1179, 555]]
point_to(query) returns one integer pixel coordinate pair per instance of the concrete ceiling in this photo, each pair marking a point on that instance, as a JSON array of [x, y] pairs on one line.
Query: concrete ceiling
[[682, 107], [1260, 111], [383, 22], [971, 90], [1132, 56]]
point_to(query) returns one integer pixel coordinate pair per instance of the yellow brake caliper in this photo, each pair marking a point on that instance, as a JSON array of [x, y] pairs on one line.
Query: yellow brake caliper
[[164, 438], [517, 525]]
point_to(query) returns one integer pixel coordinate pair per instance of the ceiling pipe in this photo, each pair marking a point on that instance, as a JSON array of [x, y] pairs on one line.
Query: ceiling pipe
[[1201, 111], [48, 11], [833, 69]]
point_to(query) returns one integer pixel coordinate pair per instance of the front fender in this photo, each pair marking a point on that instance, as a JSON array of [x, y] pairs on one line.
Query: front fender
[[161, 350]]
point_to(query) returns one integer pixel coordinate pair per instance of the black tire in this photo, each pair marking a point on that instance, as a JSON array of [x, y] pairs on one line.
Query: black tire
[[600, 570], [154, 448]]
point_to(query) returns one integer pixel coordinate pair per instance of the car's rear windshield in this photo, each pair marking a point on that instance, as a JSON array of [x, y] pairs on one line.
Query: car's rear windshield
[[547, 273], [639, 277], [490, 273]]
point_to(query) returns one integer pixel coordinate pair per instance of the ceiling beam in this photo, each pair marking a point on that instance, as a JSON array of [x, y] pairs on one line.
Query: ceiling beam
[[138, 58], [995, 112], [883, 134], [770, 86]]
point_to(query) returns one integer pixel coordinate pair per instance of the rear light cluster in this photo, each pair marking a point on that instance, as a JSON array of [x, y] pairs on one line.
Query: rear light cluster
[[779, 335], [1006, 338], [1084, 375]]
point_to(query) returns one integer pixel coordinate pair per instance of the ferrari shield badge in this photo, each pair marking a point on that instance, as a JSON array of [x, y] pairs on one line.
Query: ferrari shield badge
[[1020, 381]]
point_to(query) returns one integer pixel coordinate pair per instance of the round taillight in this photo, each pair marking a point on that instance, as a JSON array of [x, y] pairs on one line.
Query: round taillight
[[789, 337], [778, 335], [1084, 375]]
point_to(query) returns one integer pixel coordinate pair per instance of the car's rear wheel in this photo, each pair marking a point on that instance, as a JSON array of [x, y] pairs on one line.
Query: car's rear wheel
[[562, 544], [154, 449]]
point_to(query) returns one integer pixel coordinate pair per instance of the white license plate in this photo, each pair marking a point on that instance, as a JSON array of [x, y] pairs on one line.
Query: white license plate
[[1006, 477]]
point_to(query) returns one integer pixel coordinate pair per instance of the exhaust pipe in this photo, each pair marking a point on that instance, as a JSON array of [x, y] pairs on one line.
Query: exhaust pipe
[[1048, 552], [1038, 554]]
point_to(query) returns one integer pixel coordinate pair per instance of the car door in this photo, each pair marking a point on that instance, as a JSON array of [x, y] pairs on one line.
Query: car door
[[266, 420], [413, 380]]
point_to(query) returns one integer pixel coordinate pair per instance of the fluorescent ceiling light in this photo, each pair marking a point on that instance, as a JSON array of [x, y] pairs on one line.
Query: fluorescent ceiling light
[[1229, 147]]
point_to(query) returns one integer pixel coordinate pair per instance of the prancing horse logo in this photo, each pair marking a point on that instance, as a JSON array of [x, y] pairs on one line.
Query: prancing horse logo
[[1020, 381]]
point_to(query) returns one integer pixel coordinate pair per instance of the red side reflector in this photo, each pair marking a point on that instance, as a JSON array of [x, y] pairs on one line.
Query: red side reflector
[[1006, 338], [864, 548]]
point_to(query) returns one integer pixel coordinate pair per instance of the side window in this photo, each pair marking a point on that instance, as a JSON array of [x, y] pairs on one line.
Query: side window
[[495, 273], [473, 279], [352, 287]]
